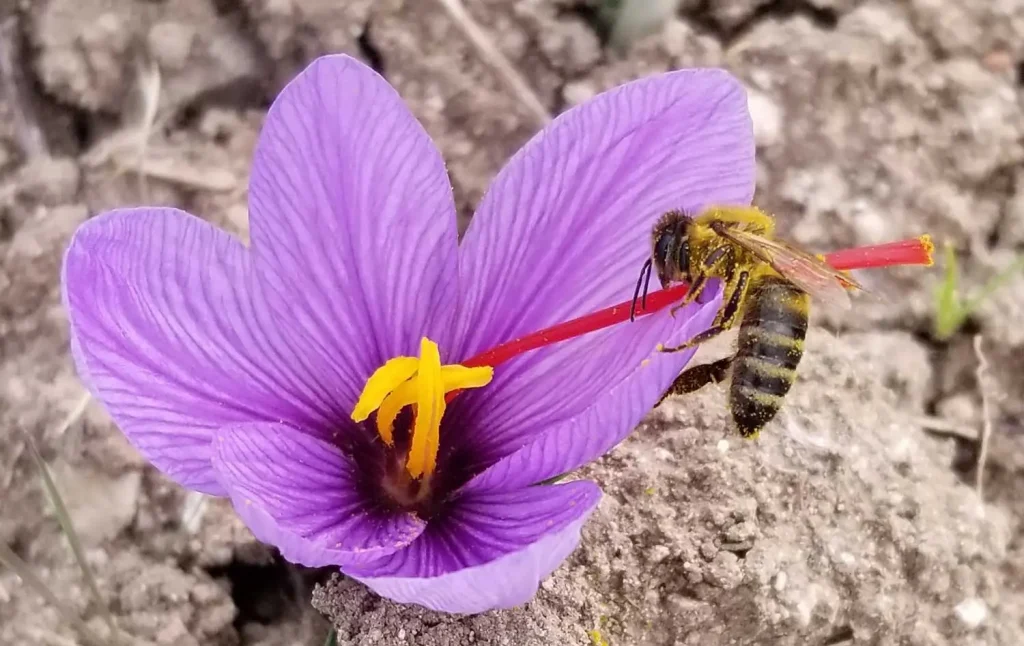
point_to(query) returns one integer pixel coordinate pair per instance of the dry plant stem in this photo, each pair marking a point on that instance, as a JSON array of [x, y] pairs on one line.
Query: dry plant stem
[[146, 90], [493, 57], [66, 524], [30, 136], [75, 414], [63, 517], [71, 418], [986, 415], [9, 474], [24, 572], [941, 426]]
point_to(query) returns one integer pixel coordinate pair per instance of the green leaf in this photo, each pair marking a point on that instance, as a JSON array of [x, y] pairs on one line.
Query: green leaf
[[951, 308], [949, 313]]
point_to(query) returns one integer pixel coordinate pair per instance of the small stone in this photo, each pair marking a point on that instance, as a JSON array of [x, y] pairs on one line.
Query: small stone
[[780, 581], [708, 551], [767, 117], [725, 571], [741, 532], [972, 612], [577, 92], [658, 553]]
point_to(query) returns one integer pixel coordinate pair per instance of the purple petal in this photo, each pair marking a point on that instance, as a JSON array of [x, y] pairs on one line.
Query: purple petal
[[583, 438], [165, 336], [492, 551], [353, 224], [304, 496], [566, 225], [544, 390]]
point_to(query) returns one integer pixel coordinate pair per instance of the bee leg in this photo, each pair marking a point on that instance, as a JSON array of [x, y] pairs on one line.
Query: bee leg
[[698, 285], [723, 321], [723, 254], [706, 335], [695, 378]]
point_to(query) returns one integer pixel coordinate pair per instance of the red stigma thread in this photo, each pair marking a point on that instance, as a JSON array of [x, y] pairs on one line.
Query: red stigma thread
[[916, 251]]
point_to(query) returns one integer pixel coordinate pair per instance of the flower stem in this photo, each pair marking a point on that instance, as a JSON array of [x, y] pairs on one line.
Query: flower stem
[[916, 251]]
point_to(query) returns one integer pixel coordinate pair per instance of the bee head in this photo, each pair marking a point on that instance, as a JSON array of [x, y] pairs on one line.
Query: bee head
[[670, 256], [671, 248]]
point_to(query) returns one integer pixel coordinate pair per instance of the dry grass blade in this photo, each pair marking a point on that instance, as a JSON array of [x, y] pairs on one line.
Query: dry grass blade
[[25, 573], [61, 511], [129, 148], [484, 45], [148, 83], [172, 170], [941, 426], [986, 415]]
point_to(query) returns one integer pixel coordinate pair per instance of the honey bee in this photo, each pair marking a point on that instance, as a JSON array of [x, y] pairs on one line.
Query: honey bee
[[767, 282]]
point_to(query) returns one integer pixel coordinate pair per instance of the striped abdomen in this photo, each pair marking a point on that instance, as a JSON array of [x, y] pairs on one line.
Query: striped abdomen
[[771, 342]]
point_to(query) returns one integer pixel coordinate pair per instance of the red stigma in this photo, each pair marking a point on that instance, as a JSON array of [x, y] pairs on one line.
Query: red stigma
[[916, 251]]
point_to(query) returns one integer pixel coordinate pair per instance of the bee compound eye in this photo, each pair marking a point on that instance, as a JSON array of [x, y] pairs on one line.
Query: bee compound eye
[[663, 247], [684, 257]]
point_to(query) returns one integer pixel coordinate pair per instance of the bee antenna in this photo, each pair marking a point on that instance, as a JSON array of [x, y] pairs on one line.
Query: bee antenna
[[645, 271], [647, 282]]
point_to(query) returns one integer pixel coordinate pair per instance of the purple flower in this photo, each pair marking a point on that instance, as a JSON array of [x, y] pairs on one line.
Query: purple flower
[[306, 376]]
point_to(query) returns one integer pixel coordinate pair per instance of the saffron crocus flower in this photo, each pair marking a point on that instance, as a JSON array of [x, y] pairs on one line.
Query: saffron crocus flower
[[311, 377]]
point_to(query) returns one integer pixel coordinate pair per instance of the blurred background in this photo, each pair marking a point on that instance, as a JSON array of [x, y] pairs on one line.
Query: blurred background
[[859, 518]]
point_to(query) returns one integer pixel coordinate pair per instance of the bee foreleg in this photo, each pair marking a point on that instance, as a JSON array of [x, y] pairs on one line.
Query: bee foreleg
[[696, 287], [695, 378], [725, 319]]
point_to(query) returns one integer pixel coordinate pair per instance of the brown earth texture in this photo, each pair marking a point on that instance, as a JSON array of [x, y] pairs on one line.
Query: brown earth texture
[[855, 518]]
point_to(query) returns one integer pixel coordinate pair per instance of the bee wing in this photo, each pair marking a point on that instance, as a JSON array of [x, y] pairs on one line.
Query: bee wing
[[808, 272]]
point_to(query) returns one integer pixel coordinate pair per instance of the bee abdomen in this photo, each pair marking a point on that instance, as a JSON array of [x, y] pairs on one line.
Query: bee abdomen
[[771, 343]]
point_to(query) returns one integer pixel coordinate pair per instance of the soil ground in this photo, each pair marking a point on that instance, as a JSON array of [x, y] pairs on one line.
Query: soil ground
[[854, 519]]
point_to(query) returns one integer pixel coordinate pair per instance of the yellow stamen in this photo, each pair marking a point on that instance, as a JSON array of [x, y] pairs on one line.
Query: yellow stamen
[[429, 409], [929, 248], [421, 382], [393, 404], [383, 381]]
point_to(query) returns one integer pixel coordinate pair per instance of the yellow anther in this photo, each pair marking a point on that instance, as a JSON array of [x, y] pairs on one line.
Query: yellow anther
[[929, 248], [400, 397], [421, 382], [429, 409], [383, 381]]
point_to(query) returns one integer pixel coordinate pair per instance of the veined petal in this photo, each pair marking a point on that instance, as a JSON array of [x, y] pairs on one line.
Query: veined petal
[[302, 495], [167, 334], [491, 553], [583, 438], [566, 225], [352, 224]]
